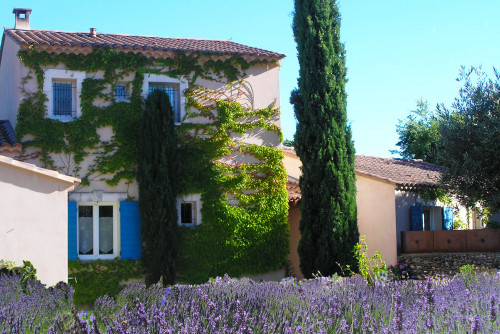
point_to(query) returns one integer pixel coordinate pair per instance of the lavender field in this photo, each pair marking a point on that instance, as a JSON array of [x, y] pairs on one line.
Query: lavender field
[[463, 304]]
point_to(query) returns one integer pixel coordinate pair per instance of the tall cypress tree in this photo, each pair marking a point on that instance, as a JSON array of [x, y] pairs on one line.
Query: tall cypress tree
[[323, 142], [157, 171]]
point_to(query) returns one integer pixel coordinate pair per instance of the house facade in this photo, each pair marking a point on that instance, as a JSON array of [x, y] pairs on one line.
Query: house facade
[[75, 113], [393, 196]]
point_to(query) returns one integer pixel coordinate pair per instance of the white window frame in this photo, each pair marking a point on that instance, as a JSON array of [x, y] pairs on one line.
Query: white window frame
[[52, 74], [195, 199], [96, 255], [159, 78]]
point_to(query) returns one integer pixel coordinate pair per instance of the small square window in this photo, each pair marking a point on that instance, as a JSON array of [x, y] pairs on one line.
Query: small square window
[[188, 213], [121, 92]]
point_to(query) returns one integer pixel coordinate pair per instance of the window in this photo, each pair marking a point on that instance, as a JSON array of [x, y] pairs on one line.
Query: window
[[427, 219], [172, 91], [188, 213], [63, 89], [173, 88], [189, 210], [121, 92], [63, 102], [97, 230]]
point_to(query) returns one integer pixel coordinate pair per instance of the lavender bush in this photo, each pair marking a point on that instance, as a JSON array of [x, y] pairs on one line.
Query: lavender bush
[[26, 306], [225, 305], [324, 305]]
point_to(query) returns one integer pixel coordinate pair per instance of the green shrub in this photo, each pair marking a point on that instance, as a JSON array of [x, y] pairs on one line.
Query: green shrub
[[26, 272], [469, 275], [371, 268], [400, 272]]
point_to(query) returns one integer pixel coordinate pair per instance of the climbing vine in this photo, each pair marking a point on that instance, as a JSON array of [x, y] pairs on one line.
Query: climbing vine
[[244, 200]]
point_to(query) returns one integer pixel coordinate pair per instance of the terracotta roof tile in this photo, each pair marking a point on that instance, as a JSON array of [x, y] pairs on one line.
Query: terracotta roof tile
[[293, 190], [140, 43], [406, 174]]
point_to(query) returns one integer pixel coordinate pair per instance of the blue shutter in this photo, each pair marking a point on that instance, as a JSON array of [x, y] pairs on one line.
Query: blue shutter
[[416, 218], [447, 218], [130, 231], [72, 228]]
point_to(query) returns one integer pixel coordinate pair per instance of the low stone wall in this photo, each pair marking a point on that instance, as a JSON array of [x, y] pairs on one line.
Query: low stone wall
[[448, 263]]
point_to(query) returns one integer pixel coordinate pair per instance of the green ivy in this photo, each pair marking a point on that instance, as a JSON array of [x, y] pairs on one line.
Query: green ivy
[[93, 279], [250, 237], [432, 194]]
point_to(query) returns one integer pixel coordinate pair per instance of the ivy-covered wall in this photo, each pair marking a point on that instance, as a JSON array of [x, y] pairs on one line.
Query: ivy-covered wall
[[228, 149]]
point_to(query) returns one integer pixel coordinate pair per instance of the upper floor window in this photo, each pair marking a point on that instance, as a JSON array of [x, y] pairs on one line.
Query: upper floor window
[[63, 88], [64, 98], [172, 91], [173, 88], [122, 92]]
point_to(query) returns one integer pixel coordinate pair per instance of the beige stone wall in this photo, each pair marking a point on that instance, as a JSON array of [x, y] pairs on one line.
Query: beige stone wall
[[34, 221], [293, 256], [376, 204], [377, 216], [292, 165]]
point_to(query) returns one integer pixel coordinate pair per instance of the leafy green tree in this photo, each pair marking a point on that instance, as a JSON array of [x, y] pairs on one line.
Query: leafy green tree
[[157, 171], [419, 135], [470, 141], [288, 142], [323, 142]]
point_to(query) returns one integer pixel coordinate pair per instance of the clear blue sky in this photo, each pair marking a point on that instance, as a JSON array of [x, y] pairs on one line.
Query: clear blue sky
[[397, 51]]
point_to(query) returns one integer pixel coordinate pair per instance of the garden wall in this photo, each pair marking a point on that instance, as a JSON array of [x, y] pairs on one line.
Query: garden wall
[[448, 263], [483, 240]]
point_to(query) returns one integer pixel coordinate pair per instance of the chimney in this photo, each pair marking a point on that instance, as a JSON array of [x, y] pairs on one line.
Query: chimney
[[22, 18], [93, 32]]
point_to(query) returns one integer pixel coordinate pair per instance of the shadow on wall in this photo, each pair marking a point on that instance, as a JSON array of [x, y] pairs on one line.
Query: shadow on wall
[[27, 180], [404, 200]]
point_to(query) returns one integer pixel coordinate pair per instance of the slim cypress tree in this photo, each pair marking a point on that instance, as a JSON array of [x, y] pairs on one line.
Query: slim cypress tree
[[323, 142], [157, 170]]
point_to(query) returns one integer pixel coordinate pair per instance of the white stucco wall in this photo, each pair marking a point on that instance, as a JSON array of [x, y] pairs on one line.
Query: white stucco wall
[[376, 216], [10, 81], [34, 220]]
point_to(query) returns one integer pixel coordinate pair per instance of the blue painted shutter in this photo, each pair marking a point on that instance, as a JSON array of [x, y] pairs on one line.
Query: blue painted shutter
[[416, 218], [72, 229], [130, 231], [447, 218]]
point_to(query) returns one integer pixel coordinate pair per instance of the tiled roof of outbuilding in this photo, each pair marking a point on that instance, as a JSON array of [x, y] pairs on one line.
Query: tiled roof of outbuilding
[[61, 41], [405, 173], [293, 190], [7, 137]]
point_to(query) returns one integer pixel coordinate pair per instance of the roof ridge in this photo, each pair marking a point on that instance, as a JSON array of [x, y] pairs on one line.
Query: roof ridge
[[129, 35]]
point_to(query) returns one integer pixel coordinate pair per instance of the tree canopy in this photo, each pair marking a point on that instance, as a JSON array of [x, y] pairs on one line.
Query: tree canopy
[[465, 139], [419, 134]]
